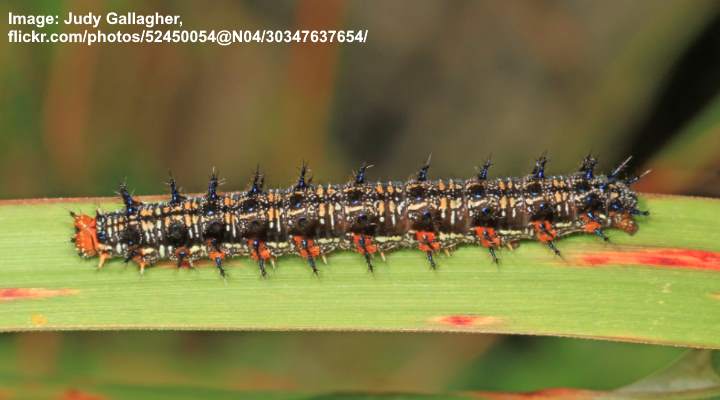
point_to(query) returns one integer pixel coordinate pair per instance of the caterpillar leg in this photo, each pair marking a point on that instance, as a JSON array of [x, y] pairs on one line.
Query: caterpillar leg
[[365, 246], [104, 256], [260, 253], [142, 263], [218, 256], [592, 225], [545, 233], [213, 246], [308, 250], [131, 253], [143, 257], [489, 239], [551, 245], [428, 244], [182, 255]]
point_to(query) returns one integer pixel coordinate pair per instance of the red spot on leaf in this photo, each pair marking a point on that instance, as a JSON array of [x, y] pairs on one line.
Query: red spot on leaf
[[673, 258], [75, 394], [551, 393], [466, 320], [8, 294]]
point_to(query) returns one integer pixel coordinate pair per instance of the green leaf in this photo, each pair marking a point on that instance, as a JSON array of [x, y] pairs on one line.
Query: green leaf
[[659, 286]]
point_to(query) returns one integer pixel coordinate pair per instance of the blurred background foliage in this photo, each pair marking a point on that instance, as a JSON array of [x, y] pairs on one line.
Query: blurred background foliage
[[462, 79]]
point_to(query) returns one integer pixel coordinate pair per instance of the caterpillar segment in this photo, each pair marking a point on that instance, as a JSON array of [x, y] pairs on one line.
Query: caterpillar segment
[[369, 218]]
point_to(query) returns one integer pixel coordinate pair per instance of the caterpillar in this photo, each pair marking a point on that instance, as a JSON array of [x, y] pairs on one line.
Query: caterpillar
[[370, 218]]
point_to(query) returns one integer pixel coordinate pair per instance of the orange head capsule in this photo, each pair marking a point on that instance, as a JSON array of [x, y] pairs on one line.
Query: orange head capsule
[[85, 237]]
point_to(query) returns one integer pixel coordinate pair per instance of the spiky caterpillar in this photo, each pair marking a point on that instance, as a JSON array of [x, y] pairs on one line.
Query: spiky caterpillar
[[314, 220]]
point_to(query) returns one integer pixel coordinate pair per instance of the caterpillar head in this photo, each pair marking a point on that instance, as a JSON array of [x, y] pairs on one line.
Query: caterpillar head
[[622, 206], [85, 237]]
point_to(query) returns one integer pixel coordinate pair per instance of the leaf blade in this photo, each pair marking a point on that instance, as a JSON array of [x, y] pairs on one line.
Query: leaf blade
[[530, 293]]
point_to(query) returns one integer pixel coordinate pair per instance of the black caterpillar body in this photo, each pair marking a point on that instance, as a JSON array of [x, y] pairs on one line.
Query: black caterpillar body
[[314, 220]]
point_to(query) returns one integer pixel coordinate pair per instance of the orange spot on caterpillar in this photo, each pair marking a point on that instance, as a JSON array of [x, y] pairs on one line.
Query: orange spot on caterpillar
[[488, 237], [466, 320], [368, 247], [544, 231], [672, 258], [426, 241], [715, 295], [306, 246], [8, 294], [216, 254], [261, 252], [590, 225], [38, 320]]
